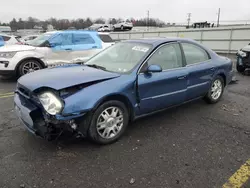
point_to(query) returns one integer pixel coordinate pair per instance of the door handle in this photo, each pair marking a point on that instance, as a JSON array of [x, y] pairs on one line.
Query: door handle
[[68, 49], [181, 77], [94, 46]]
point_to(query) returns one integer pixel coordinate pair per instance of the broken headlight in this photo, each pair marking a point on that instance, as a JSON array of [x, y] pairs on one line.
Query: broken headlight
[[51, 103]]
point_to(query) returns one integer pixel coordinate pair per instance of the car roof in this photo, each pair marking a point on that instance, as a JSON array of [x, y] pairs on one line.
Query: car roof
[[159, 40], [72, 31], [6, 35]]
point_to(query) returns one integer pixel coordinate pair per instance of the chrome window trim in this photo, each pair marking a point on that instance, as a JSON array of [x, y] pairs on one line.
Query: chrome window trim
[[198, 63]]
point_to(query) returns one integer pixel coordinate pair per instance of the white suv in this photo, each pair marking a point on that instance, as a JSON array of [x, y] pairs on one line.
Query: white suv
[[49, 49], [123, 25], [9, 39]]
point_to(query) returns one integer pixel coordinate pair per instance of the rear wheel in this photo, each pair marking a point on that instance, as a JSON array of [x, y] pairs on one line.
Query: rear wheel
[[216, 90], [108, 122], [28, 66]]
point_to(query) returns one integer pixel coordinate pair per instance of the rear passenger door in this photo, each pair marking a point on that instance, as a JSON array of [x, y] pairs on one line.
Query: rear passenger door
[[85, 44], [200, 70]]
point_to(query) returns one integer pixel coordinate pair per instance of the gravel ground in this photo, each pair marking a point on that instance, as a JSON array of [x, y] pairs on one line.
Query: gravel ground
[[195, 145]]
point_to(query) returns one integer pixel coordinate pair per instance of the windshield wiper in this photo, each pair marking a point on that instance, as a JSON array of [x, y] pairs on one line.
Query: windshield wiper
[[96, 66]]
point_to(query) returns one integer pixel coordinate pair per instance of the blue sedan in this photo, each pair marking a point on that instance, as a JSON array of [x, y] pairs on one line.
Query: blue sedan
[[128, 80]]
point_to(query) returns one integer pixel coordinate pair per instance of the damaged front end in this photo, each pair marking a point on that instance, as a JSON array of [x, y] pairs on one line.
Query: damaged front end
[[30, 111]]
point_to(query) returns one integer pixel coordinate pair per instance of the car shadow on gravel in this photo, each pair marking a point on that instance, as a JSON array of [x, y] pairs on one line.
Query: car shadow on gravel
[[8, 79]]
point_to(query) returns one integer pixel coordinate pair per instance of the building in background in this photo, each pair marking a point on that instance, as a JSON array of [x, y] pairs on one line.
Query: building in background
[[5, 29]]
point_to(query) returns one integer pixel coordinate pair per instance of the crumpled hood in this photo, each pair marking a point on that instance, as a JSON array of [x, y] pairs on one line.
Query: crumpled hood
[[64, 77], [246, 48], [16, 48]]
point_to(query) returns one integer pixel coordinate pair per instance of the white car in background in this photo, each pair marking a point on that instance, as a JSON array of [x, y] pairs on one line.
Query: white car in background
[[51, 49], [123, 25], [9, 39], [28, 38], [104, 28]]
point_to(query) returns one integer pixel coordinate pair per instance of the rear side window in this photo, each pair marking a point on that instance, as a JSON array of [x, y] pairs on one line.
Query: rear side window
[[5, 38], [194, 54], [105, 38], [82, 39]]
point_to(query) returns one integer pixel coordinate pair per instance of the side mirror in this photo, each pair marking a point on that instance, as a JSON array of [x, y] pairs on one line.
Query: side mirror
[[154, 68], [50, 45]]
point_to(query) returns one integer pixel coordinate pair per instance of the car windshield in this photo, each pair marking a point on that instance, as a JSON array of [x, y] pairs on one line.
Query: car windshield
[[121, 57], [40, 39]]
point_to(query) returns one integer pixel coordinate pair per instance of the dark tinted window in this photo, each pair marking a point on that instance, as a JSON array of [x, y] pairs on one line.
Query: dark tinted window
[[194, 54], [82, 39], [5, 38], [167, 56], [105, 38]]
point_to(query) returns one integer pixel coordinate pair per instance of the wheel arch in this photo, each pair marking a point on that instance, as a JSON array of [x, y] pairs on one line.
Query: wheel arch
[[224, 77], [117, 97]]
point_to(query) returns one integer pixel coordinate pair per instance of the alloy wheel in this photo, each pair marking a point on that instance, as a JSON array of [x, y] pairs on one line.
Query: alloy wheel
[[216, 89], [29, 67], [110, 122]]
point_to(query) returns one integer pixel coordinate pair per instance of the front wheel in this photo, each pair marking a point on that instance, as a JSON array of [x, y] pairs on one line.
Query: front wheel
[[28, 66], [216, 90], [108, 122]]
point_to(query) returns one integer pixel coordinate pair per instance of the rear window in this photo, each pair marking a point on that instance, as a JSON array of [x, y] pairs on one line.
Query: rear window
[[5, 38], [105, 38]]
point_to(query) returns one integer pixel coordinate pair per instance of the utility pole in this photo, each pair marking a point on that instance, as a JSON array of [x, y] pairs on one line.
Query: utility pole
[[148, 20], [218, 20], [188, 19]]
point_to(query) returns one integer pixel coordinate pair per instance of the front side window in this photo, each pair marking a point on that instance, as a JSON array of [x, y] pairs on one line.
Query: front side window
[[168, 57], [194, 54], [121, 57], [79, 38], [66, 39]]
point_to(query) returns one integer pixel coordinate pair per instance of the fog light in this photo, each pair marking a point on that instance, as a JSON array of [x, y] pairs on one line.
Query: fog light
[[6, 63]]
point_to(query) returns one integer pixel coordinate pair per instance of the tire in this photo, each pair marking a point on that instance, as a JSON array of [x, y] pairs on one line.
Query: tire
[[240, 68], [211, 97], [32, 63], [110, 125]]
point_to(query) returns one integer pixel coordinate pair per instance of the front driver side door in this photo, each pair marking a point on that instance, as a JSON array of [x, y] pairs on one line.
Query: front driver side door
[[61, 49], [167, 88]]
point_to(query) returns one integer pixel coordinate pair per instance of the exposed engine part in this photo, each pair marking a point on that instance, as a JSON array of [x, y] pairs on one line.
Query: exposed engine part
[[73, 125]]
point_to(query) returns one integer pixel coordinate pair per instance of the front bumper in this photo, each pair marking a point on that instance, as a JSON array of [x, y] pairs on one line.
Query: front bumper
[[38, 123]]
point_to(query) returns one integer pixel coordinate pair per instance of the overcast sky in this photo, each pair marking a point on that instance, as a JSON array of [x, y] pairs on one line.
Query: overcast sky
[[166, 10]]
